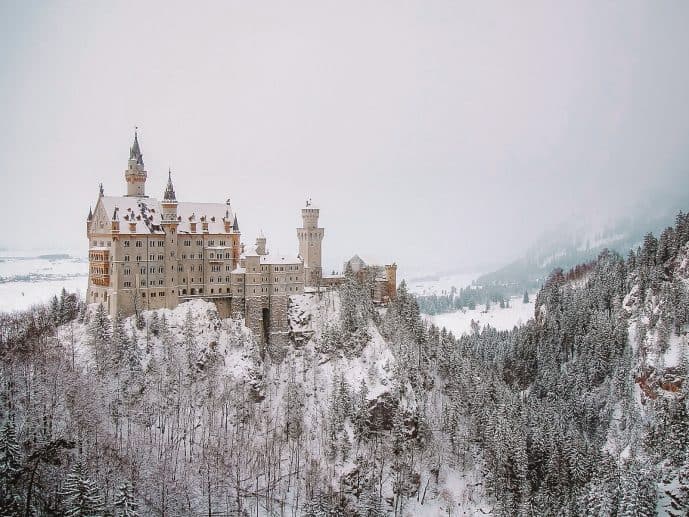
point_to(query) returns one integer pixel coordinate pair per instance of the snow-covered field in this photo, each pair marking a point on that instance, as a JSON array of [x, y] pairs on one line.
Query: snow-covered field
[[441, 283], [459, 322], [28, 278]]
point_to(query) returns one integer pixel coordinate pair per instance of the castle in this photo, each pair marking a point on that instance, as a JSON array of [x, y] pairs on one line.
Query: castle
[[151, 254]]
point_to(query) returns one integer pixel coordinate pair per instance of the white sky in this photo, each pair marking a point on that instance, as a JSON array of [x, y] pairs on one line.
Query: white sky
[[430, 132]]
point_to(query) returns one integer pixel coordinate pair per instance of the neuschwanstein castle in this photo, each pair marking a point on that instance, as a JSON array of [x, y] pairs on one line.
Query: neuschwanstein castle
[[151, 254]]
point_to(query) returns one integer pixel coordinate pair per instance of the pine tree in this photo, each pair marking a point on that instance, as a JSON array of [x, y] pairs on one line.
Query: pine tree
[[125, 502], [10, 468], [525, 299], [189, 337], [81, 498], [99, 333], [120, 343]]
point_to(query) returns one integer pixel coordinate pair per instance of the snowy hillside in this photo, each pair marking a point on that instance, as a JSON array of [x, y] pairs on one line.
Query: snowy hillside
[[368, 411]]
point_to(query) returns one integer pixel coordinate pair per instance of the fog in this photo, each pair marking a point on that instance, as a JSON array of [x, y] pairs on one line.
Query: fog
[[438, 134]]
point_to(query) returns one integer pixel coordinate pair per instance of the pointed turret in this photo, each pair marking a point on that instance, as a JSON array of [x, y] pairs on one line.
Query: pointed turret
[[135, 151], [135, 173], [100, 190], [169, 190], [235, 225], [169, 202], [89, 217]]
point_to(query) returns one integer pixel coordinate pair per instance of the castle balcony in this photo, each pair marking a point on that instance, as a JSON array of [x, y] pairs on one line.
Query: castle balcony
[[99, 255], [99, 266]]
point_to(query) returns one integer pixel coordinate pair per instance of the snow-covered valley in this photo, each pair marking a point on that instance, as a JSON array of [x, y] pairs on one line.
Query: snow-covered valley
[[28, 278]]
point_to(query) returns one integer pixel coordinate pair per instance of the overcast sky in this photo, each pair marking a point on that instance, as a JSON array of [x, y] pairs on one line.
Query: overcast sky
[[437, 134]]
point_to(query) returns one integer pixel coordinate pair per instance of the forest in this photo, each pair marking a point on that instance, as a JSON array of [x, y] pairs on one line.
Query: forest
[[581, 411]]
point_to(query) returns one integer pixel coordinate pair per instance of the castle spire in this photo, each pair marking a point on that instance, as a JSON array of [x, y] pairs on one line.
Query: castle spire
[[100, 190], [136, 175], [235, 225], [90, 216], [135, 150], [169, 190]]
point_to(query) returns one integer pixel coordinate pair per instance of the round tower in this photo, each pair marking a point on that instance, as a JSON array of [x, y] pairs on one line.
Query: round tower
[[135, 175], [310, 239]]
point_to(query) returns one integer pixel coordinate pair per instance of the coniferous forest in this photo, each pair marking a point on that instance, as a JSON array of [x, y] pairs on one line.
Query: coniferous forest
[[581, 411]]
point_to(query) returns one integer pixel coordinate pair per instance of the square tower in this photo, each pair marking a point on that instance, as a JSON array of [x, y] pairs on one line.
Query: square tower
[[310, 239]]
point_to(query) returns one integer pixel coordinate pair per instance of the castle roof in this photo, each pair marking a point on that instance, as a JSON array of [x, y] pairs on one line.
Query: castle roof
[[146, 214], [135, 151], [274, 259], [169, 190]]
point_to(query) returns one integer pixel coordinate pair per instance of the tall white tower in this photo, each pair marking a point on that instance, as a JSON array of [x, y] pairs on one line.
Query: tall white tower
[[135, 173], [310, 238]]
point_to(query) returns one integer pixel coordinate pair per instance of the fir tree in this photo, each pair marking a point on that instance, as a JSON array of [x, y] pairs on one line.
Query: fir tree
[[125, 502], [10, 469], [99, 335], [81, 498]]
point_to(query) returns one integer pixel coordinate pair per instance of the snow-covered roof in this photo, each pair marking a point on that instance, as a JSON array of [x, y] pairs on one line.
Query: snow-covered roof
[[213, 213], [146, 212], [279, 259], [143, 212], [239, 270], [358, 262]]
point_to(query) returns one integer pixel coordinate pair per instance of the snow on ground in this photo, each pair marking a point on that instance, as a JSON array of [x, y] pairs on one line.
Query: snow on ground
[[459, 322], [441, 283], [16, 296], [27, 279]]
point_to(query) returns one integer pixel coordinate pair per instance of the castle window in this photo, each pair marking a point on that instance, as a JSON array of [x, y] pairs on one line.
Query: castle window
[[211, 279], [201, 291], [143, 295], [161, 293], [187, 243], [153, 295], [184, 291], [126, 258], [142, 283], [161, 257], [160, 270], [138, 244], [212, 291], [152, 270], [211, 243], [127, 271], [184, 256], [127, 284], [138, 258], [143, 270], [160, 282], [212, 255], [199, 243], [126, 244], [161, 244]]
